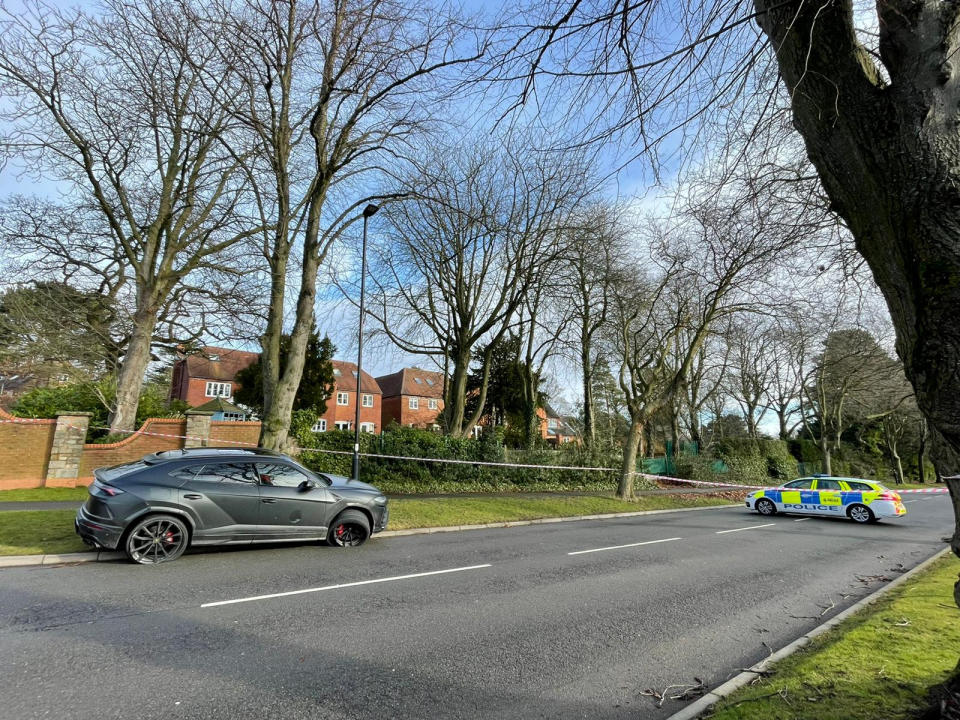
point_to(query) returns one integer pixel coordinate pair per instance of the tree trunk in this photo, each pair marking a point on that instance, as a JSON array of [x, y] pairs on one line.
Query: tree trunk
[[454, 407], [132, 369], [531, 421], [827, 453], [888, 157], [631, 446], [589, 421], [922, 452], [782, 419], [270, 341]]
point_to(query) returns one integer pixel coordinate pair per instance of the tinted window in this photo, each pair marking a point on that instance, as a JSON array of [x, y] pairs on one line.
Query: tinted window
[[804, 484], [859, 486], [225, 472], [828, 485], [280, 475]]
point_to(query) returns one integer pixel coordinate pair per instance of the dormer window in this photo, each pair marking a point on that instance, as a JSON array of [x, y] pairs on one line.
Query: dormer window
[[336, 372], [214, 358]]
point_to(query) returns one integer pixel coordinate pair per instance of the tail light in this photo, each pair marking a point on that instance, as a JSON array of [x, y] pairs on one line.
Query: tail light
[[104, 490], [890, 495]]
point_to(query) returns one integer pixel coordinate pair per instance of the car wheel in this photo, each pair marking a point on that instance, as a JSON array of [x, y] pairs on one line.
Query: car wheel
[[350, 529], [157, 539], [766, 507], [860, 513]]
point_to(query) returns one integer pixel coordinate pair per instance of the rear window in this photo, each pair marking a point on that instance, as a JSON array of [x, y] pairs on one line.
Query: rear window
[[862, 486], [112, 473]]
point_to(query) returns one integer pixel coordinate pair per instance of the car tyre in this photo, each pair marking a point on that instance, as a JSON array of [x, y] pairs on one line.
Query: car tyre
[[350, 529], [156, 539], [861, 513], [766, 507]]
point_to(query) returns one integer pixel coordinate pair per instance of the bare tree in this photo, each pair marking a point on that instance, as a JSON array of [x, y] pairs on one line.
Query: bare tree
[[335, 92], [467, 254], [125, 109], [751, 368]]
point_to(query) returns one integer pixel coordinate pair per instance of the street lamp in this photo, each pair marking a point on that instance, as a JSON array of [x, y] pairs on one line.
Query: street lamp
[[368, 212]]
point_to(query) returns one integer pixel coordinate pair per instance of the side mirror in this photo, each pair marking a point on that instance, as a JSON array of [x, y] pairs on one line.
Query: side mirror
[[306, 485]]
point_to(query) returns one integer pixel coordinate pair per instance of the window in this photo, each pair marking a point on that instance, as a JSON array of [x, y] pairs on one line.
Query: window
[[234, 416], [218, 389], [224, 472], [552, 423], [320, 425], [367, 427], [343, 398], [354, 373], [414, 403], [804, 484], [336, 372], [343, 424], [280, 475], [432, 403], [367, 400], [418, 381], [429, 382], [862, 487], [214, 358], [827, 485]]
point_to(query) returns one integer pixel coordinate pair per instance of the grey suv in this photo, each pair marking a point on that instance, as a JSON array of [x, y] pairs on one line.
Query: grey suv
[[155, 508]]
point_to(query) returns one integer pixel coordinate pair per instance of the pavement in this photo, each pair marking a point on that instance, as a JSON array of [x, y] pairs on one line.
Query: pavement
[[562, 620]]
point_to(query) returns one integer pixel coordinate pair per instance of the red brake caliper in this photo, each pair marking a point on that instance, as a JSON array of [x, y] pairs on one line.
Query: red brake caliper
[[340, 531]]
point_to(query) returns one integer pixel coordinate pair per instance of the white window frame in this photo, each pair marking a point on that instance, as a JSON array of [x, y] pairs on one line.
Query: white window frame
[[343, 424], [218, 389], [343, 398], [320, 425], [367, 400], [413, 403], [368, 427], [432, 403], [234, 416]]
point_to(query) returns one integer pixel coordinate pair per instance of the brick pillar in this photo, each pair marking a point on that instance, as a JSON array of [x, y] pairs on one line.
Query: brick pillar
[[198, 428], [63, 465]]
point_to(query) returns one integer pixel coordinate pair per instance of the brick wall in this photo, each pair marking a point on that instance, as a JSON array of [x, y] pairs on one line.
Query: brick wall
[[133, 447], [24, 450], [397, 407], [223, 432]]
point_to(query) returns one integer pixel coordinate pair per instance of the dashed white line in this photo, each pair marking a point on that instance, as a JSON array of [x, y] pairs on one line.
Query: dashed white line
[[800, 519], [914, 500], [752, 527], [620, 547], [342, 585]]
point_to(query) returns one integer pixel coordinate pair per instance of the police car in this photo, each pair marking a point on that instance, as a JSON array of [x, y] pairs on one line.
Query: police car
[[860, 500]]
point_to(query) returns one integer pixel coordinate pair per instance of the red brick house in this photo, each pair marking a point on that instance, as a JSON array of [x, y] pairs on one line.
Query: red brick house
[[342, 404], [554, 428], [412, 397], [208, 374]]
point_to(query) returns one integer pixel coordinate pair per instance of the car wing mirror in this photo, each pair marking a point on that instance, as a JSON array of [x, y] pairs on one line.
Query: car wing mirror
[[306, 485]]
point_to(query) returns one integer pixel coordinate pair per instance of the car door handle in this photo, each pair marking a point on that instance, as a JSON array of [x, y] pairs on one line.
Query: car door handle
[[192, 496], [267, 500]]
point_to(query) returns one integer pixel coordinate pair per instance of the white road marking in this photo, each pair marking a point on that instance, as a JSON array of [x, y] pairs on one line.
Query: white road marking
[[914, 500], [620, 547], [752, 527], [342, 585], [801, 519]]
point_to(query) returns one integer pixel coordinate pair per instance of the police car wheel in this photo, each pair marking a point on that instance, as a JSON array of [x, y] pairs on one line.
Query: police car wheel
[[766, 507], [860, 514]]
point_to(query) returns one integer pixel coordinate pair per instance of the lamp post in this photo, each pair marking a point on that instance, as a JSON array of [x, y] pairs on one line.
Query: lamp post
[[368, 212]]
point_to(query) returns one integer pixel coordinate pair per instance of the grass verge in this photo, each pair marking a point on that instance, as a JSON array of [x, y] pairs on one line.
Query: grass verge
[[439, 512], [880, 663], [35, 532], [38, 532], [44, 494]]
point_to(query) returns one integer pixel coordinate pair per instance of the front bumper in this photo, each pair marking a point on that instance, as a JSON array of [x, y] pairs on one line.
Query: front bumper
[[95, 532], [379, 525]]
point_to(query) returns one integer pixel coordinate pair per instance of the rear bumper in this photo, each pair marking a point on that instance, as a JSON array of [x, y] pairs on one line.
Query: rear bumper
[[888, 509], [95, 532]]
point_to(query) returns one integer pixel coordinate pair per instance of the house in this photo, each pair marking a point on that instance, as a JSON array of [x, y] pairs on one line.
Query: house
[[223, 410], [342, 404], [208, 374], [554, 428], [412, 397]]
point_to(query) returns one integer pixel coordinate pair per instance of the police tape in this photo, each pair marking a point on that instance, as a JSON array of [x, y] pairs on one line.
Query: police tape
[[299, 450]]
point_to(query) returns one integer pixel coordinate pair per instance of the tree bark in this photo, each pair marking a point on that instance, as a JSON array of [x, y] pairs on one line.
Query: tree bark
[[589, 418], [134, 366], [631, 447]]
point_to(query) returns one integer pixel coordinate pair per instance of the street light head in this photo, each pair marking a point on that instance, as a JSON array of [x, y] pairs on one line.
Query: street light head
[[370, 209]]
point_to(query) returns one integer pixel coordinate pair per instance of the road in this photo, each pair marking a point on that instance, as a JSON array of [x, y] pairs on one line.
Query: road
[[573, 620]]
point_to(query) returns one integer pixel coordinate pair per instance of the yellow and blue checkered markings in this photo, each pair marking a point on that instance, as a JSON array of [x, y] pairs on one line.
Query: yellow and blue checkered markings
[[824, 500]]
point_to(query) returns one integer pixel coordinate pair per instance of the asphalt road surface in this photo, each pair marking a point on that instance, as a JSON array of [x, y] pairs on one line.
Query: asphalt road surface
[[572, 620]]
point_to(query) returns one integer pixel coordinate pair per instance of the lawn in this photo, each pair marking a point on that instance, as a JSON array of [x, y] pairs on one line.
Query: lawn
[[42, 494], [34, 532], [38, 532], [880, 663]]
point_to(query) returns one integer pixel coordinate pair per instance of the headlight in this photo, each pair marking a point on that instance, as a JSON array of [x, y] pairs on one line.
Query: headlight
[[380, 500]]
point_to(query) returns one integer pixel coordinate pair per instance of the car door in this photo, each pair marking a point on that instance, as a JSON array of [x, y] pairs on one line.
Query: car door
[[797, 496], [830, 500], [293, 505], [223, 499]]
